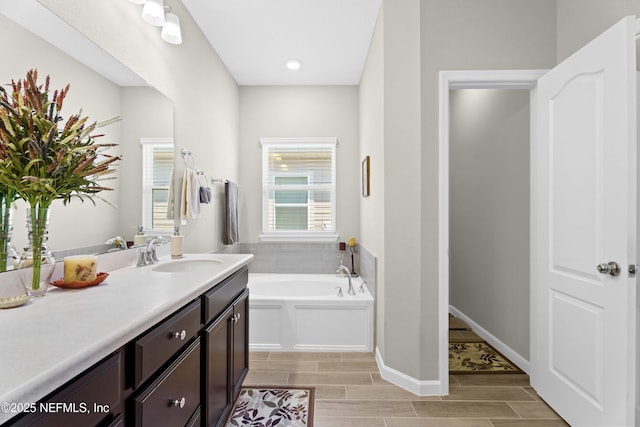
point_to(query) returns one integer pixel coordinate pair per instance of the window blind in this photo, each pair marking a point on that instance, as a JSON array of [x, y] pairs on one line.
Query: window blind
[[157, 164], [298, 181]]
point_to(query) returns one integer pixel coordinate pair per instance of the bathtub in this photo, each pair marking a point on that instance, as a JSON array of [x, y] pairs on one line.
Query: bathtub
[[303, 312]]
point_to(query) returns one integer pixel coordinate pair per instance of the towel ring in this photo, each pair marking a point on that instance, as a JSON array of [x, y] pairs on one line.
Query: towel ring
[[186, 155]]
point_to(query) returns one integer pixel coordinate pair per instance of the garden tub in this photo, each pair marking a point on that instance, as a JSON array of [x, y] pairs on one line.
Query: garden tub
[[306, 312]]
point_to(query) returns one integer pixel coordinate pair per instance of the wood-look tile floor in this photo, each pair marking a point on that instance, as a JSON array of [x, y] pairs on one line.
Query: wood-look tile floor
[[350, 392]]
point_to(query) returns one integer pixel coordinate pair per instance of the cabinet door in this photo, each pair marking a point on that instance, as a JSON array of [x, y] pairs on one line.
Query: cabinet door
[[240, 337], [218, 369]]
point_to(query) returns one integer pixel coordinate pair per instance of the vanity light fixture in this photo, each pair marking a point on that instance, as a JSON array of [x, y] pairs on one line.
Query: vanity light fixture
[[153, 12], [156, 13], [293, 64], [171, 29]]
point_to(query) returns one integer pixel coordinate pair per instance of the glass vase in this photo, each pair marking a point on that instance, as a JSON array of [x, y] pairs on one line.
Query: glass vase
[[8, 254], [37, 260]]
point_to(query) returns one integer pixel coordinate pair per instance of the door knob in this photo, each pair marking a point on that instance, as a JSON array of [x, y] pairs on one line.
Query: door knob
[[612, 268]]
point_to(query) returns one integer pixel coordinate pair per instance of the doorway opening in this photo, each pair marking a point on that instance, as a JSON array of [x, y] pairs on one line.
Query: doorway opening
[[489, 222], [451, 81]]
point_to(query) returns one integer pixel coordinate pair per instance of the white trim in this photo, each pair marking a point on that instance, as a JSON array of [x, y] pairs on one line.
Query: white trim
[[156, 141], [298, 237], [301, 140], [417, 387], [503, 348], [470, 79]]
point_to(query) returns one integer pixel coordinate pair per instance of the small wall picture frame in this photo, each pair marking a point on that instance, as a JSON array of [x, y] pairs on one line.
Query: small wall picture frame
[[366, 189]]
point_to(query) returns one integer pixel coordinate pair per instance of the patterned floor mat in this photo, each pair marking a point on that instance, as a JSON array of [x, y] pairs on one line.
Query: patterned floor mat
[[273, 406], [478, 358]]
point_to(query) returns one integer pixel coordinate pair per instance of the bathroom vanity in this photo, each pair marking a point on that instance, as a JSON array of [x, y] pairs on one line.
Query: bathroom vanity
[[154, 345]]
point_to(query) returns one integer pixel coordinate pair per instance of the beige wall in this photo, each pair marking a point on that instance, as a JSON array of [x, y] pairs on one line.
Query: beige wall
[[402, 176], [489, 211], [99, 99], [371, 122], [192, 75], [413, 42], [299, 111], [467, 34], [580, 21], [146, 113]]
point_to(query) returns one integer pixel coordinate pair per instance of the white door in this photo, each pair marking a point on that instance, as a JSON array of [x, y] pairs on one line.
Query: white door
[[584, 198]]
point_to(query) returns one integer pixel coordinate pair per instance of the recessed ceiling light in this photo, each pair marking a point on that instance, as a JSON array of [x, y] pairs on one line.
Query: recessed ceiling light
[[293, 64]]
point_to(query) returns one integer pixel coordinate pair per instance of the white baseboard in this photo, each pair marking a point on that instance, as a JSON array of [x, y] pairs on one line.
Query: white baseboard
[[417, 387], [507, 351]]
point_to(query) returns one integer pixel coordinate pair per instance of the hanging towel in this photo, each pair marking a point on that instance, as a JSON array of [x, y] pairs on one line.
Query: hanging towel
[[171, 202], [204, 190], [230, 232], [190, 199]]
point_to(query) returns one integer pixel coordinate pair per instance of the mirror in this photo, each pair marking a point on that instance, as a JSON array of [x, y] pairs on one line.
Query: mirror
[[111, 91]]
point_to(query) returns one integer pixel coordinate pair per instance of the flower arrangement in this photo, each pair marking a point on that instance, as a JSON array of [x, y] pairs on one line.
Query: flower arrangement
[[41, 161]]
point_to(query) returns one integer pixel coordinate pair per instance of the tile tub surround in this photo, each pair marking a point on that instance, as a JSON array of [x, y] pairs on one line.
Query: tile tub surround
[[350, 392], [308, 258], [39, 355]]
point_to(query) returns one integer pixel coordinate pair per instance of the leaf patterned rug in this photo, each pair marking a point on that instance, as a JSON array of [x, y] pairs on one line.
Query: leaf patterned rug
[[273, 406], [478, 358]]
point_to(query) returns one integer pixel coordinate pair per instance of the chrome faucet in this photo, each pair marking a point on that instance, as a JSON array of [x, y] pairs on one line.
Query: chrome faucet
[[151, 248], [148, 251], [117, 242], [346, 271]]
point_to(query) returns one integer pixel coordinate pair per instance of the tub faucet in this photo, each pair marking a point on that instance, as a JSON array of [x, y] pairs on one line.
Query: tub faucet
[[346, 271]]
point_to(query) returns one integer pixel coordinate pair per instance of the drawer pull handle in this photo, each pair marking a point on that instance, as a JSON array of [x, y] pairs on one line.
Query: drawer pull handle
[[182, 335], [176, 402]]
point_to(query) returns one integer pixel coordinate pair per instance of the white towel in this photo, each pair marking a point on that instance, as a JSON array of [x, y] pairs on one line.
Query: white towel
[[190, 199]]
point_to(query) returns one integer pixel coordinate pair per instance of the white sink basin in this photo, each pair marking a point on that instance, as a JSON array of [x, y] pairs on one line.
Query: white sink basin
[[187, 265]]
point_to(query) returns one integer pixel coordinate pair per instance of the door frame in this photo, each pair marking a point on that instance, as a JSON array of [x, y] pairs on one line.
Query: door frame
[[470, 79]]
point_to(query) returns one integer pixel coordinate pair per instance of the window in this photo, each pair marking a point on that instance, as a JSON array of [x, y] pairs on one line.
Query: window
[[299, 188], [157, 164]]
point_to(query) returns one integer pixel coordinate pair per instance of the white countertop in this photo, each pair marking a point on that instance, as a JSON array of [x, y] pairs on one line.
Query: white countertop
[[50, 340]]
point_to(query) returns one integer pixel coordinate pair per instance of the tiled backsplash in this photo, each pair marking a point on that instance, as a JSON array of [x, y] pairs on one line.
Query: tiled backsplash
[[305, 258]]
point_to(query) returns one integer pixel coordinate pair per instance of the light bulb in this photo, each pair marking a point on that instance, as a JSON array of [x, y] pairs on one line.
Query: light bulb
[[153, 12], [171, 29], [293, 64]]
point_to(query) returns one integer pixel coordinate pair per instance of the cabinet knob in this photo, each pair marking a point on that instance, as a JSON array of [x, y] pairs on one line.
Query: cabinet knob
[[235, 318], [176, 402], [182, 335]]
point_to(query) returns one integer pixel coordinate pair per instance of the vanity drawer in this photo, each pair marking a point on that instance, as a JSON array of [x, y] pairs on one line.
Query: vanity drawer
[[172, 399], [156, 347], [93, 397], [216, 300]]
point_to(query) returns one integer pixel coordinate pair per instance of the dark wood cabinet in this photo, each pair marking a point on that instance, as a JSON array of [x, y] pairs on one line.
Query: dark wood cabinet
[[174, 396], [157, 346], [217, 375], [93, 397], [240, 343], [226, 355], [184, 371]]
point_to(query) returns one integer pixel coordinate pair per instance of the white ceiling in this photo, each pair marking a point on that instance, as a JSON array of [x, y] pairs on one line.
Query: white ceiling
[[255, 38]]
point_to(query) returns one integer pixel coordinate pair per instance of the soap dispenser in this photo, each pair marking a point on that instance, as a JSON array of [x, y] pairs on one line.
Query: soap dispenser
[[140, 239], [176, 244]]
